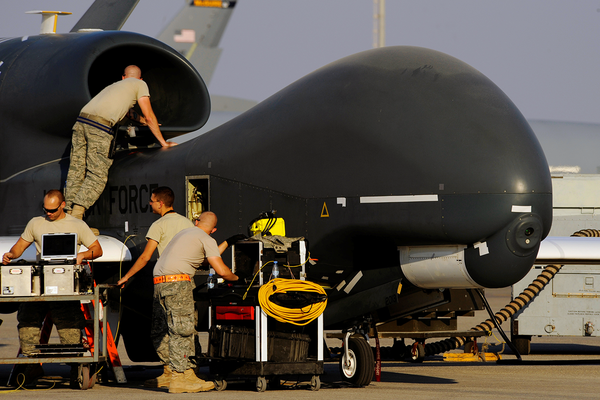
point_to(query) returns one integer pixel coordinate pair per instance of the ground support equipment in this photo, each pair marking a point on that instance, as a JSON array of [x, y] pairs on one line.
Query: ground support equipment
[[246, 344], [82, 377]]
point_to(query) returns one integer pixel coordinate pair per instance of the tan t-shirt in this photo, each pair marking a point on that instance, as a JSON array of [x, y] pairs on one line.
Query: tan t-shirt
[[113, 102], [186, 253], [38, 226], [167, 226]]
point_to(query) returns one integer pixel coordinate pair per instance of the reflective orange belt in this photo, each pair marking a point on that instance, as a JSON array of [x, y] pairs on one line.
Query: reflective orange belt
[[171, 278]]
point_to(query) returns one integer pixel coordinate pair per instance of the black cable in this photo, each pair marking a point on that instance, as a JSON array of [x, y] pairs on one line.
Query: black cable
[[270, 224], [493, 318]]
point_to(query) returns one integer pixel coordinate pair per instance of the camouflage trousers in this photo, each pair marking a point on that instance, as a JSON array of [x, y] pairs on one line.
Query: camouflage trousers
[[88, 170], [173, 323], [66, 315]]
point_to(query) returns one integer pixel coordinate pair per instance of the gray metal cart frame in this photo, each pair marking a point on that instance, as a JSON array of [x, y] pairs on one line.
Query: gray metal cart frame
[[100, 353], [261, 368]]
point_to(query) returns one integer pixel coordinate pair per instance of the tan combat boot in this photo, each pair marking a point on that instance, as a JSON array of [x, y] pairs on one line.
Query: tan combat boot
[[192, 376], [162, 381], [77, 211], [187, 382]]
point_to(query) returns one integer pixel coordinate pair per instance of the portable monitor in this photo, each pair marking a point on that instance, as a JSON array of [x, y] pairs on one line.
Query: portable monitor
[[59, 247]]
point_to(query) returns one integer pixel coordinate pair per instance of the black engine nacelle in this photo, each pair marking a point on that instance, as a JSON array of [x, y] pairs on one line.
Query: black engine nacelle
[[45, 80]]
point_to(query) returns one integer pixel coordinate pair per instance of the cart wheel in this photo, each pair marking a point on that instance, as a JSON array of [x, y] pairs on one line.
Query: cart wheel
[[220, 385], [417, 352], [261, 384], [358, 369], [80, 376], [315, 383], [93, 369]]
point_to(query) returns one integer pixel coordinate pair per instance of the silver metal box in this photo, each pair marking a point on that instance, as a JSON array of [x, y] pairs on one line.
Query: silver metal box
[[568, 306], [16, 280], [59, 280]]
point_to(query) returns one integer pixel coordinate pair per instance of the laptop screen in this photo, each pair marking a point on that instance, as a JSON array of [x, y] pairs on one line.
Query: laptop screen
[[59, 246]]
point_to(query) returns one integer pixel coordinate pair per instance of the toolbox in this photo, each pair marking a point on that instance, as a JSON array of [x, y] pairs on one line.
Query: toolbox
[[17, 280], [232, 341], [59, 280]]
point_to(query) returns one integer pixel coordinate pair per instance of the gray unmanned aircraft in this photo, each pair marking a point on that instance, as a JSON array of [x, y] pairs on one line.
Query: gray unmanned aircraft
[[407, 170]]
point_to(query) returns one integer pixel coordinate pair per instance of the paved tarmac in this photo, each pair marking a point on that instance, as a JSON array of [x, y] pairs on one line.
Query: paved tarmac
[[557, 368]]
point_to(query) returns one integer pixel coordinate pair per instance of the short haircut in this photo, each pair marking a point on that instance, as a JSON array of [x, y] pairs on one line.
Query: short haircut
[[164, 194], [56, 193], [207, 219], [132, 71]]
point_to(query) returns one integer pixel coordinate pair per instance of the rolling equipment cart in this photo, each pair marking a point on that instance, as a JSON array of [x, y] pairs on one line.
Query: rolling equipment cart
[[84, 377], [246, 343]]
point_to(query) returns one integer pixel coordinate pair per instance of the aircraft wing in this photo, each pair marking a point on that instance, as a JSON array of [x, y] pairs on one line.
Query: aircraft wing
[[569, 250], [108, 15]]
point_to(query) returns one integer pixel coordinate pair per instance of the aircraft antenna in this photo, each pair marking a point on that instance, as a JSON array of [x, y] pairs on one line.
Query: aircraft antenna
[[48, 19], [378, 23]]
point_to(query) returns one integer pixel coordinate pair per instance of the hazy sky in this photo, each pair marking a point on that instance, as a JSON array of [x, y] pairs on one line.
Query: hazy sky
[[544, 54]]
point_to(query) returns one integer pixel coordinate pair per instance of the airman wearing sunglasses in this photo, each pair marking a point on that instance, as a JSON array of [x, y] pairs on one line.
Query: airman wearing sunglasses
[[66, 315]]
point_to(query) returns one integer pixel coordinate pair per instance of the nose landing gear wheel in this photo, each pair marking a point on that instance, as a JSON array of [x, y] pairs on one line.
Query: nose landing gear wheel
[[358, 369]]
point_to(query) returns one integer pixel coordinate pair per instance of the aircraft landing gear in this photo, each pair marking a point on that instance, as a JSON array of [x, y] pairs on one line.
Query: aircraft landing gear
[[357, 363]]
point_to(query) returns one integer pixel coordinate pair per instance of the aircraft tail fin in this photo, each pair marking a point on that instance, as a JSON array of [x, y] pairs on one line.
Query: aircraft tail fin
[[108, 15], [196, 32]]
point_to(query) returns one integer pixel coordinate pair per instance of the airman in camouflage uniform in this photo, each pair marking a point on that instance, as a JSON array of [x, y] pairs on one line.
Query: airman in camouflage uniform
[[90, 147], [92, 137], [66, 315], [173, 318], [173, 311], [159, 235]]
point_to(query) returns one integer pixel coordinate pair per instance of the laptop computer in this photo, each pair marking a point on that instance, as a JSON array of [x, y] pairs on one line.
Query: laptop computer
[[59, 247]]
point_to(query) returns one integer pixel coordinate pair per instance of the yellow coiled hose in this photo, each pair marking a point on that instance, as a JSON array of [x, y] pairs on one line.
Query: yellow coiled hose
[[296, 316]]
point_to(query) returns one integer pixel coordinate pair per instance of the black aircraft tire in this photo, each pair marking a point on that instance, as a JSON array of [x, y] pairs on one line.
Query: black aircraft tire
[[417, 352], [361, 366]]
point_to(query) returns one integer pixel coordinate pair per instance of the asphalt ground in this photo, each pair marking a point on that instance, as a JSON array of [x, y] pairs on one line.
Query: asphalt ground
[[558, 367]]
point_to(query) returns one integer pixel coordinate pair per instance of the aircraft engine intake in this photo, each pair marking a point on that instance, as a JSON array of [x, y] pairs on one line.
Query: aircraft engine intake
[[46, 79]]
